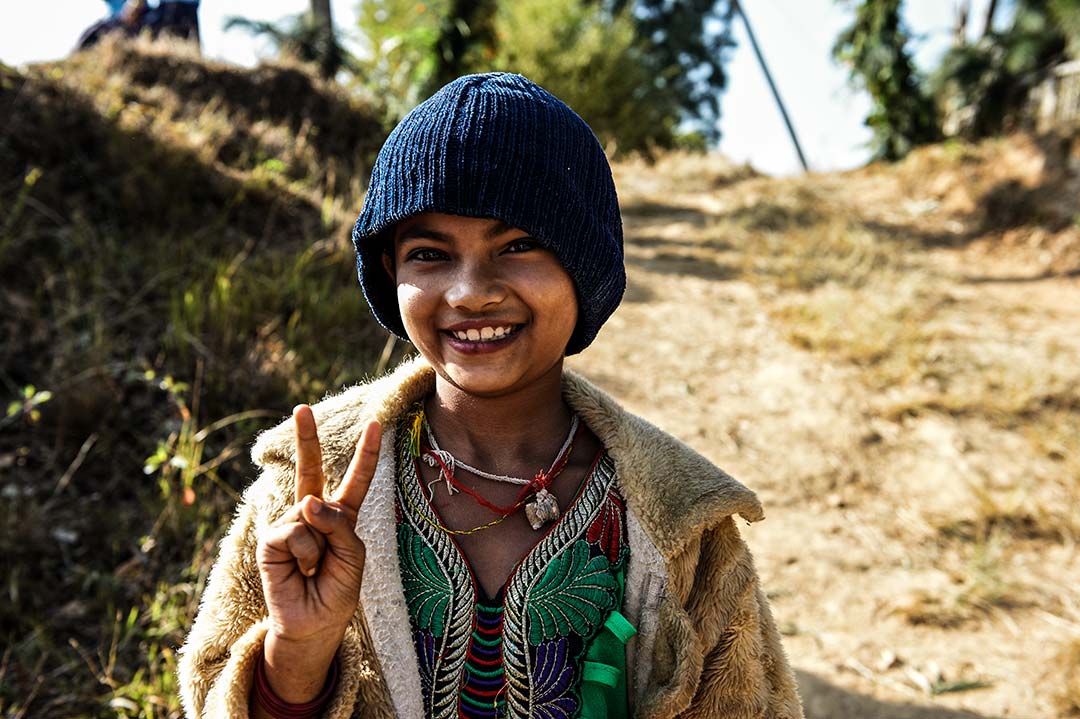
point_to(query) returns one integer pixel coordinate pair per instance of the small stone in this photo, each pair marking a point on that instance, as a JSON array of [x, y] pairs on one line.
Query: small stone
[[543, 509], [888, 660]]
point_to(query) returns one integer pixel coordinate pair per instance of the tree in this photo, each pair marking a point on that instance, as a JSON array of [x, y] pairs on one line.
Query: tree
[[685, 47], [640, 71], [982, 88], [327, 47], [988, 22], [309, 37], [1066, 15], [960, 25], [399, 57], [875, 49], [466, 39], [593, 61]]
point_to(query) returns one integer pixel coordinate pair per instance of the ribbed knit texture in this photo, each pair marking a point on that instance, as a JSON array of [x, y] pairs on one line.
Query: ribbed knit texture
[[498, 145]]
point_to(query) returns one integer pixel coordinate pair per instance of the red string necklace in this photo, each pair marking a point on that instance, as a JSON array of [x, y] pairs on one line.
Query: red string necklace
[[540, 483], [541, 506]]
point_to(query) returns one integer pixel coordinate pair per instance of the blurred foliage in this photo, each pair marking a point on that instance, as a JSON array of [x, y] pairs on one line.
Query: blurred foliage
[[592, 60], [875, 48], [982, 88], [687, 45], [1067, 15], [636, 71], [303, 37], [466, 39], [399, 59]]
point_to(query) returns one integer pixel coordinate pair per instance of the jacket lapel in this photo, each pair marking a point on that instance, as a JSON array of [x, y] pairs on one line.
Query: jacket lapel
[[674, 491]]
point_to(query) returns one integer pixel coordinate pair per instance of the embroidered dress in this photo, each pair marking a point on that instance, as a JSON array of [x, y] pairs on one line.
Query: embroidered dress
[[551, 643]]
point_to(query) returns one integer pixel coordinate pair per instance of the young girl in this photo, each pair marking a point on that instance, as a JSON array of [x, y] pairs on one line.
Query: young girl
[[481, 533]]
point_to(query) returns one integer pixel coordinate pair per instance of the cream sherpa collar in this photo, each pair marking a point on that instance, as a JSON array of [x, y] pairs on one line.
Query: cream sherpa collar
[[648, 461]]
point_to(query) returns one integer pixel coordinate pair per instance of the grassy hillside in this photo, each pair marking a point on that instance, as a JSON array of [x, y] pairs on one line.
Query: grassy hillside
[[175, 273]]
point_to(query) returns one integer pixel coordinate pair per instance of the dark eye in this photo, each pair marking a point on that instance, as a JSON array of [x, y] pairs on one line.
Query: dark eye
[[425, 254], [523, 244]]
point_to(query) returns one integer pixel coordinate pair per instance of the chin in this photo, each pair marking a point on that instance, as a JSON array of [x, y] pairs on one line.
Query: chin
[[482, 382]]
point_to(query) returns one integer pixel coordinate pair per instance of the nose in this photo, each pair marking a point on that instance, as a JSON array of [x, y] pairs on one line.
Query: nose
[[475, 286]]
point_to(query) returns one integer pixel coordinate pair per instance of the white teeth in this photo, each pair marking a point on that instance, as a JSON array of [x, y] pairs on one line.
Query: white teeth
[[483, 334]]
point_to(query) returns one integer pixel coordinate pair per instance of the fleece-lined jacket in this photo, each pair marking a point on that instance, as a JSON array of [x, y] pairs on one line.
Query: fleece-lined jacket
[[707, 646]]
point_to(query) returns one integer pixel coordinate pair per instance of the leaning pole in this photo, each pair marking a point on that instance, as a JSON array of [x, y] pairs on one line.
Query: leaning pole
[[772, 85]]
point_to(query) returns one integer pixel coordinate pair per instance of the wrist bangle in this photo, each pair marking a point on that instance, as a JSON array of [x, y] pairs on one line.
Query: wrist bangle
[[263, 695]]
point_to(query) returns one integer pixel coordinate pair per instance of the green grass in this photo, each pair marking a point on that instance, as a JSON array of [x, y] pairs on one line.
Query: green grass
[[175, 274]]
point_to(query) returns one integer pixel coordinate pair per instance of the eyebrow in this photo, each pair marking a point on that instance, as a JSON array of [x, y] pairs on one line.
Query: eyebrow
[[421, 231]]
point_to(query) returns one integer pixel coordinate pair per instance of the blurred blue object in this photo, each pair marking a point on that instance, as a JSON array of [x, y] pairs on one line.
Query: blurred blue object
[[176, 18], [179, 18]]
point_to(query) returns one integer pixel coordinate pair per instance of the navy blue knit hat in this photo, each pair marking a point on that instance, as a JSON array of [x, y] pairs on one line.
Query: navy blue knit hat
[[498, 145]]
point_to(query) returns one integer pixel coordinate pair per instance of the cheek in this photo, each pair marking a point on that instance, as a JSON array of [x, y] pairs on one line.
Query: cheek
[[560, 302], [569, 308], [412, 306]]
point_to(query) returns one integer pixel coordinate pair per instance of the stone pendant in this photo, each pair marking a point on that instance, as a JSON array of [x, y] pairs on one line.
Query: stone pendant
[[543, 509]]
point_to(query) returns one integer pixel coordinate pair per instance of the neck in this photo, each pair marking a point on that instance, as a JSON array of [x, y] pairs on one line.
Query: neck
[[517, 433]]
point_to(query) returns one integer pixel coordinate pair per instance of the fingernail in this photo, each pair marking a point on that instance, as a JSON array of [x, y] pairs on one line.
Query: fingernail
[[316, 507]]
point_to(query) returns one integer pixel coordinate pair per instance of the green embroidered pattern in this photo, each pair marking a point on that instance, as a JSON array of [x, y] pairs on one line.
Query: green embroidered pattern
[[552, 607], [521, 699], [438, 563], [574, 595], [425, 585]]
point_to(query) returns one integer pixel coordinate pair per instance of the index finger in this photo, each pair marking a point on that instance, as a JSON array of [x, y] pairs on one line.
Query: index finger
[[309, 475], [362, 467]]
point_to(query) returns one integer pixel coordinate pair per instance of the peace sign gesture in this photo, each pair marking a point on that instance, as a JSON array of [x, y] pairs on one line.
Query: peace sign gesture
[[311, 561]]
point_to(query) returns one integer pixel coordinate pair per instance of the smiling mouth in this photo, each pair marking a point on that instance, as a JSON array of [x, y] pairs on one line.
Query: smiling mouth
[[494, 333]]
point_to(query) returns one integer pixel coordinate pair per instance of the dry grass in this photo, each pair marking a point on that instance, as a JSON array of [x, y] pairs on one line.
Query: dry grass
[[923, 345], [978, 583], [186, 263], [278, 120], [801, 254], [685, 171], [858, 284], [883, 329], [947, 371], [866, 292]]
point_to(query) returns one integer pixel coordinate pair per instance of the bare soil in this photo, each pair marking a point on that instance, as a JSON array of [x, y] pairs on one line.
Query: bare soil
[[912, 557]]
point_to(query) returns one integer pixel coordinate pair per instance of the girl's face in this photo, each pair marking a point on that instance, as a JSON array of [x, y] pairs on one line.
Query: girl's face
[[486, 305]]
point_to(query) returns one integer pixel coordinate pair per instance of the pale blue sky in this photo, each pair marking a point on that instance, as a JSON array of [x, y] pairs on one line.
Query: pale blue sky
[[795, 35]]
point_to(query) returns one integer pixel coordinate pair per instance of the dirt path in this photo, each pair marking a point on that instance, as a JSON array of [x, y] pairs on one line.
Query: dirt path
[[886, 615]]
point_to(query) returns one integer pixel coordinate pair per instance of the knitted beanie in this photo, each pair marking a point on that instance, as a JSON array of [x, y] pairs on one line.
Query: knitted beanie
[[499, 146]]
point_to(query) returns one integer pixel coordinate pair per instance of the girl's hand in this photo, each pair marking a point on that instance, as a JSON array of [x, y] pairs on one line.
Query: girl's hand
[[311, 561]]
